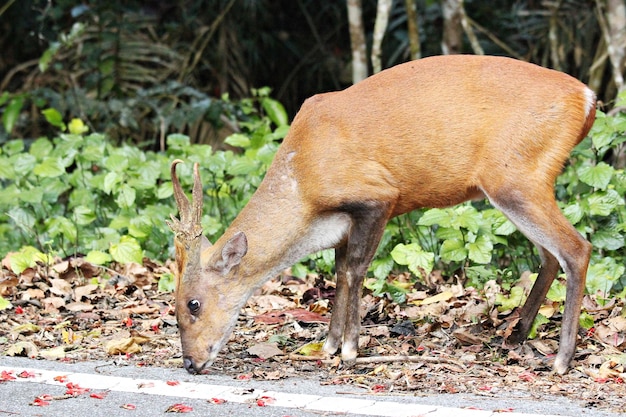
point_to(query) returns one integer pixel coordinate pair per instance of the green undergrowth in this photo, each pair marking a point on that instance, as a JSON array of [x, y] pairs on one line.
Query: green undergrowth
[[77, 194]]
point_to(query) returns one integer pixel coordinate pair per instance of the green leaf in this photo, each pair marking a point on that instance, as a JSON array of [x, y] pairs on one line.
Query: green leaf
[[177, 141], [557, 291], [61, 226], [242, 166], [610, 239], [13, 147], [381, 267], [12, 113], [77, 127], [26, 258], [117, 162], [602, 275], [481, 250], [167, 283], [41, 148], [32, 196], [500, 224], [111, 180], [603, 203], [453, 250], [5, 304], [126, 251], [140, 227], [574, 212], [299, 271], [54, 118], [84, 215], [513, 300], [50, 167], [586, 320], [447, 233], [275, 111], [126, 196], [540, 320], [97, 257], [435, 216], [238, 139], [467, 217], [419, 262], [280, 132], [598, 176], [164, 190], [23, 164]]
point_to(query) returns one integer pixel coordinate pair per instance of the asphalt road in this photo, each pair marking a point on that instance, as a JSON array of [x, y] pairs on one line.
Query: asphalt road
[[148, 391]]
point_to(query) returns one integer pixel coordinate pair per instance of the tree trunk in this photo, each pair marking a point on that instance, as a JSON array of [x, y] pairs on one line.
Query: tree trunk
[[380, 27], [414, 33], [452, 41], [357, 41]]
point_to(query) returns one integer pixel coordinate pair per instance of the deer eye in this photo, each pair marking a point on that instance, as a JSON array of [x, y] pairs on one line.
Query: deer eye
[[193, 306]]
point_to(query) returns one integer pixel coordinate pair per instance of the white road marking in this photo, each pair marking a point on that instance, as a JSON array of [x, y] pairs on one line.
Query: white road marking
[[243, 395]]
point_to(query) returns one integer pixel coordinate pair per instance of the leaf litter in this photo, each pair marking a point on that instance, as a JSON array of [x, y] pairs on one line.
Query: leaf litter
[[443, 339]]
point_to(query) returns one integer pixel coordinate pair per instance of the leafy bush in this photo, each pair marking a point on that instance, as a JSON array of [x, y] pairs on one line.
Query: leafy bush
[[78, 194]]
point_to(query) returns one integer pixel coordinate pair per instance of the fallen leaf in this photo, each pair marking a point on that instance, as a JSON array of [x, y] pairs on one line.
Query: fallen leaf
[[264, 401], [128, 406], [26, 329], [118, 346], [23, 348], [311, 349], [79, 306], [442, 296], [265, 350], [179, 408], [84, 290], [75, 390], [216, 400], [60, 287], [42, 400], [54, 353], [7, 376]]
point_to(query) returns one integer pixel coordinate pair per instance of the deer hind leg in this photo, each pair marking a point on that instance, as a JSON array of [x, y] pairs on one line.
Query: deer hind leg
[[547, 273], [535, 213], [353, 259]]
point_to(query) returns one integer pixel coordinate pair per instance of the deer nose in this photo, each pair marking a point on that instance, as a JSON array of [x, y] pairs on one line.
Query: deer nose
[[189, 366]]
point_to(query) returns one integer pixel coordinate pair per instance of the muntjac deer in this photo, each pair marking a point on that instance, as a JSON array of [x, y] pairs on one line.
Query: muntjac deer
[[428, 133]]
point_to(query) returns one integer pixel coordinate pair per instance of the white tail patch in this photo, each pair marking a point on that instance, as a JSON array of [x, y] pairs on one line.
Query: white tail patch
[[590, 101]]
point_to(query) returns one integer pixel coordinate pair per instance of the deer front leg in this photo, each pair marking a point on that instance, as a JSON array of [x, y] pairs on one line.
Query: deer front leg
[[353, 259], [338, 318]]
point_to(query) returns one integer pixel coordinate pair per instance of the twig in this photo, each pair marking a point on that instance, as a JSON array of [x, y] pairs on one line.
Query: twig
[[383, 359]]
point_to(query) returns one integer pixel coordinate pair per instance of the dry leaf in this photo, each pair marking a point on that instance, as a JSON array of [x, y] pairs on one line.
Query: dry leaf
[[122, 346], [442, 296], [265, 350], [22, 348], [77, 306], [54, 353], [26, 329], [60, 287], [84, 290]]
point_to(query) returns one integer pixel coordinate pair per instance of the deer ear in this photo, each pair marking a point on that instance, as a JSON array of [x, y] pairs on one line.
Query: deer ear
[[232, 252]]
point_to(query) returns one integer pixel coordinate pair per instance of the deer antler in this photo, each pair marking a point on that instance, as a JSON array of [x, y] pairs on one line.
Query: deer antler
[[188, 228]]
